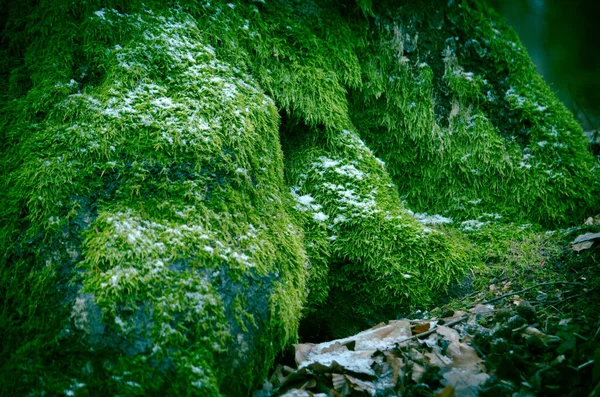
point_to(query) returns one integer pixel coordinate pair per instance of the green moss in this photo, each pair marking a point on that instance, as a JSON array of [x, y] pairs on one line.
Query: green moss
[[169, 162], [150, 243], [379, 258], [450, 98]]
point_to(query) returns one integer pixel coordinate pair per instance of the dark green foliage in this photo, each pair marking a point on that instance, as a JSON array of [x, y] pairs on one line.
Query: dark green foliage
[[473, 116]]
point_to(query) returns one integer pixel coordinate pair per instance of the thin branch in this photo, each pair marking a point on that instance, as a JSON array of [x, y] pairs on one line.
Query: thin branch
[[530, 288], [574, 296], [468, 296], [432, 330]]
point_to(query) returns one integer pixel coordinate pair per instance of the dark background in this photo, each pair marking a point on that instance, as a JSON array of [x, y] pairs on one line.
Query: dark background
[[563, 40]]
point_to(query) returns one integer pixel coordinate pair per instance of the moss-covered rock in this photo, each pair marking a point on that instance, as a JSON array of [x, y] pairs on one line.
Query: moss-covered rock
[[453, 104], [148, 246], [380, 259], [151, 243]]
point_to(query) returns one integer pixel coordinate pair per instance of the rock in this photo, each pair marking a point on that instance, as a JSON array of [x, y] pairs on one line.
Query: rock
[[164, 258]]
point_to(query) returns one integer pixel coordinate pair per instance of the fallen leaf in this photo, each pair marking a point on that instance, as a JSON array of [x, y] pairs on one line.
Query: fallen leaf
[[447, 391], [302, 352], [459, 313], [586, 237], [417, 373], [465, 382], [336, 347], [449, 334], [435, 359], [361, 385], [415, 355], [482, 309], [582, 246], [340, 384], [298, 393], [593, 220], [536, 333], [463, 355], [420, 328], [317, 367], [397, 365]]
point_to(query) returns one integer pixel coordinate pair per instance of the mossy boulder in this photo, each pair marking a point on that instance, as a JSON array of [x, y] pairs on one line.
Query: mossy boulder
[[155, 241], [452, 103], [148, 248], [376, 251]]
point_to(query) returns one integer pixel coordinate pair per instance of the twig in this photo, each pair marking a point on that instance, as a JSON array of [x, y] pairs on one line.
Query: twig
[[524, 326], [432, 330], [468, 296], [585, 364], [574, 296], [530, 288]]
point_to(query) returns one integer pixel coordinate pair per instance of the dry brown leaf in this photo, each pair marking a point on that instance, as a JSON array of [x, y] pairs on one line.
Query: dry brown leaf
[[420, 328], [463, 355], [381, 337], [302, 352], [466, 383], [397, 365], [435, 359], [359, 363], [415, 355], [382, 324], [482, 309], [584, 241], [582, 246], [516, 300], [336, 347], [459, 313], [449, 334], [465, 371], [340, 384], [586, 237], [447, 391], [297, 393], [396, 329], [417, 373], [361, 385], [545, 338], [325, 368]]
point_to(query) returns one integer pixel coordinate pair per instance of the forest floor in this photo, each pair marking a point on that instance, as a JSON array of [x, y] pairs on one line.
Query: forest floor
[[522, 332]]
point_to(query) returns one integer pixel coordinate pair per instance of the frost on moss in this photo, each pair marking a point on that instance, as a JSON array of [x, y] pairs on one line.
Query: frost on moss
[[380, 260], [146, 214]]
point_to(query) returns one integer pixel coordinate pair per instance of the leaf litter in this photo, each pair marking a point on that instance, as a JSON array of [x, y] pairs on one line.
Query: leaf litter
[[509, 339]]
